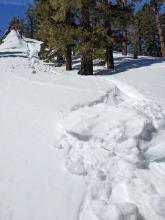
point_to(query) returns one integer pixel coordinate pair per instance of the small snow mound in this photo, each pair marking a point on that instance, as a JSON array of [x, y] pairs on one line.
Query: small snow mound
[[13, 41], [120, 211], [113, 96], [112, 140]]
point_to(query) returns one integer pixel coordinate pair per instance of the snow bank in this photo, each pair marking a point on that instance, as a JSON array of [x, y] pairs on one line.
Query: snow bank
[[15, 45], [117, 142], [112, 140], [13, 41]]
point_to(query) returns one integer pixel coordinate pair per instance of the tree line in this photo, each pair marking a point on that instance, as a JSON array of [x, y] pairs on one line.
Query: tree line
[[94, 29]]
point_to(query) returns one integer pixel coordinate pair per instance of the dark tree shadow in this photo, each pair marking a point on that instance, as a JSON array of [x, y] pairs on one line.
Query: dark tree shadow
[[76, 63], [30, 41], [123, 64], [12, 54]]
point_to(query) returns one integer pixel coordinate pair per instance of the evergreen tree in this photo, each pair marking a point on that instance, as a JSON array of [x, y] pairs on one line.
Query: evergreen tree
[[44, 30], [124, 29], [30, 22], [125, 19], [156, 5], [60, 28], [85, 33], [64, 28], [163, 24], [123, 23], [134, 36], [148, 31], [15, 23], [106, 15], [92, 28]]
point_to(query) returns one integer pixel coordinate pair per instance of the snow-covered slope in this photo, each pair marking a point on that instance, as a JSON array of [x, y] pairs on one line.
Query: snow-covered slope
[[14, 41], [15, 45], [147, 74], [80, 148]]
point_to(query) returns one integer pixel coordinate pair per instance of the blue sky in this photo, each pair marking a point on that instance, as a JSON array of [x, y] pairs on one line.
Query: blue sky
[[10, 8]]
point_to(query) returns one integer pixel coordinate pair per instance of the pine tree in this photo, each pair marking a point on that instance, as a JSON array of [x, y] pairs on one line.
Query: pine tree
[[123, 23], [134, 36], [163, 24], [30, 22], [106, 10], [124, 30], [125, 18], [148, 31], [85, 33], [44, 13], [156, 5], [61, 28], [69, 45], [15, 23], [98, 36], [45, 31], [91, 28]]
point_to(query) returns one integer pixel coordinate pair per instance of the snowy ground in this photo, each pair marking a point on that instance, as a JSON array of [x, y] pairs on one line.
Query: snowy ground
[[80, 148]]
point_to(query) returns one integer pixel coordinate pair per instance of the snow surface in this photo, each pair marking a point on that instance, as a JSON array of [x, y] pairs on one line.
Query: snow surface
[[80, 148]]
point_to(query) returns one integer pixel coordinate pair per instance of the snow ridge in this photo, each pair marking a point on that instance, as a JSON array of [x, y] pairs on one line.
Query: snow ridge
[[13, 41], [113, 142]]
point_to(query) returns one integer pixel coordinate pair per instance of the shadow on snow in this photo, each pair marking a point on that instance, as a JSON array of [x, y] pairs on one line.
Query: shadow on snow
[[123, 64], [12, 54]]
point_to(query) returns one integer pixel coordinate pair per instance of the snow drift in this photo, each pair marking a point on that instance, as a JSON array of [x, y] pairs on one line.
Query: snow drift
[[117, 141], [13, 41], [109, 160], [15, 45]]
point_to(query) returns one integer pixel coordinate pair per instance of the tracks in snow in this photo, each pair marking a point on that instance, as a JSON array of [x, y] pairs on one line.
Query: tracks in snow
[[113, 141]]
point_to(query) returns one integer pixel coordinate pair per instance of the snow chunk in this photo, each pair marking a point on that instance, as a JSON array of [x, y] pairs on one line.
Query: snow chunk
[[112, 140]]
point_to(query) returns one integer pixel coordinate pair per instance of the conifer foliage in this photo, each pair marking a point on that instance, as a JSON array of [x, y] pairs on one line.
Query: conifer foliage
[[91, 29]]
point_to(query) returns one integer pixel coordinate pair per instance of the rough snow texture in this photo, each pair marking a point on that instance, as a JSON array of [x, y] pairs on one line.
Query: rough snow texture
[[118, 142], [80, 148], [13, 41]]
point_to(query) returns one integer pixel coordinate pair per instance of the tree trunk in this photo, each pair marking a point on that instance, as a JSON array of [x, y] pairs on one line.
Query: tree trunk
[[124, 32], [159, 28], [68, 48], [86, 66], [86, 56], [68, 58], [31, 28], [160, 32], [109, 49], [124, 42], [135, 53], [135, 37], [109, 57], [60, 60], [139, 47]]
